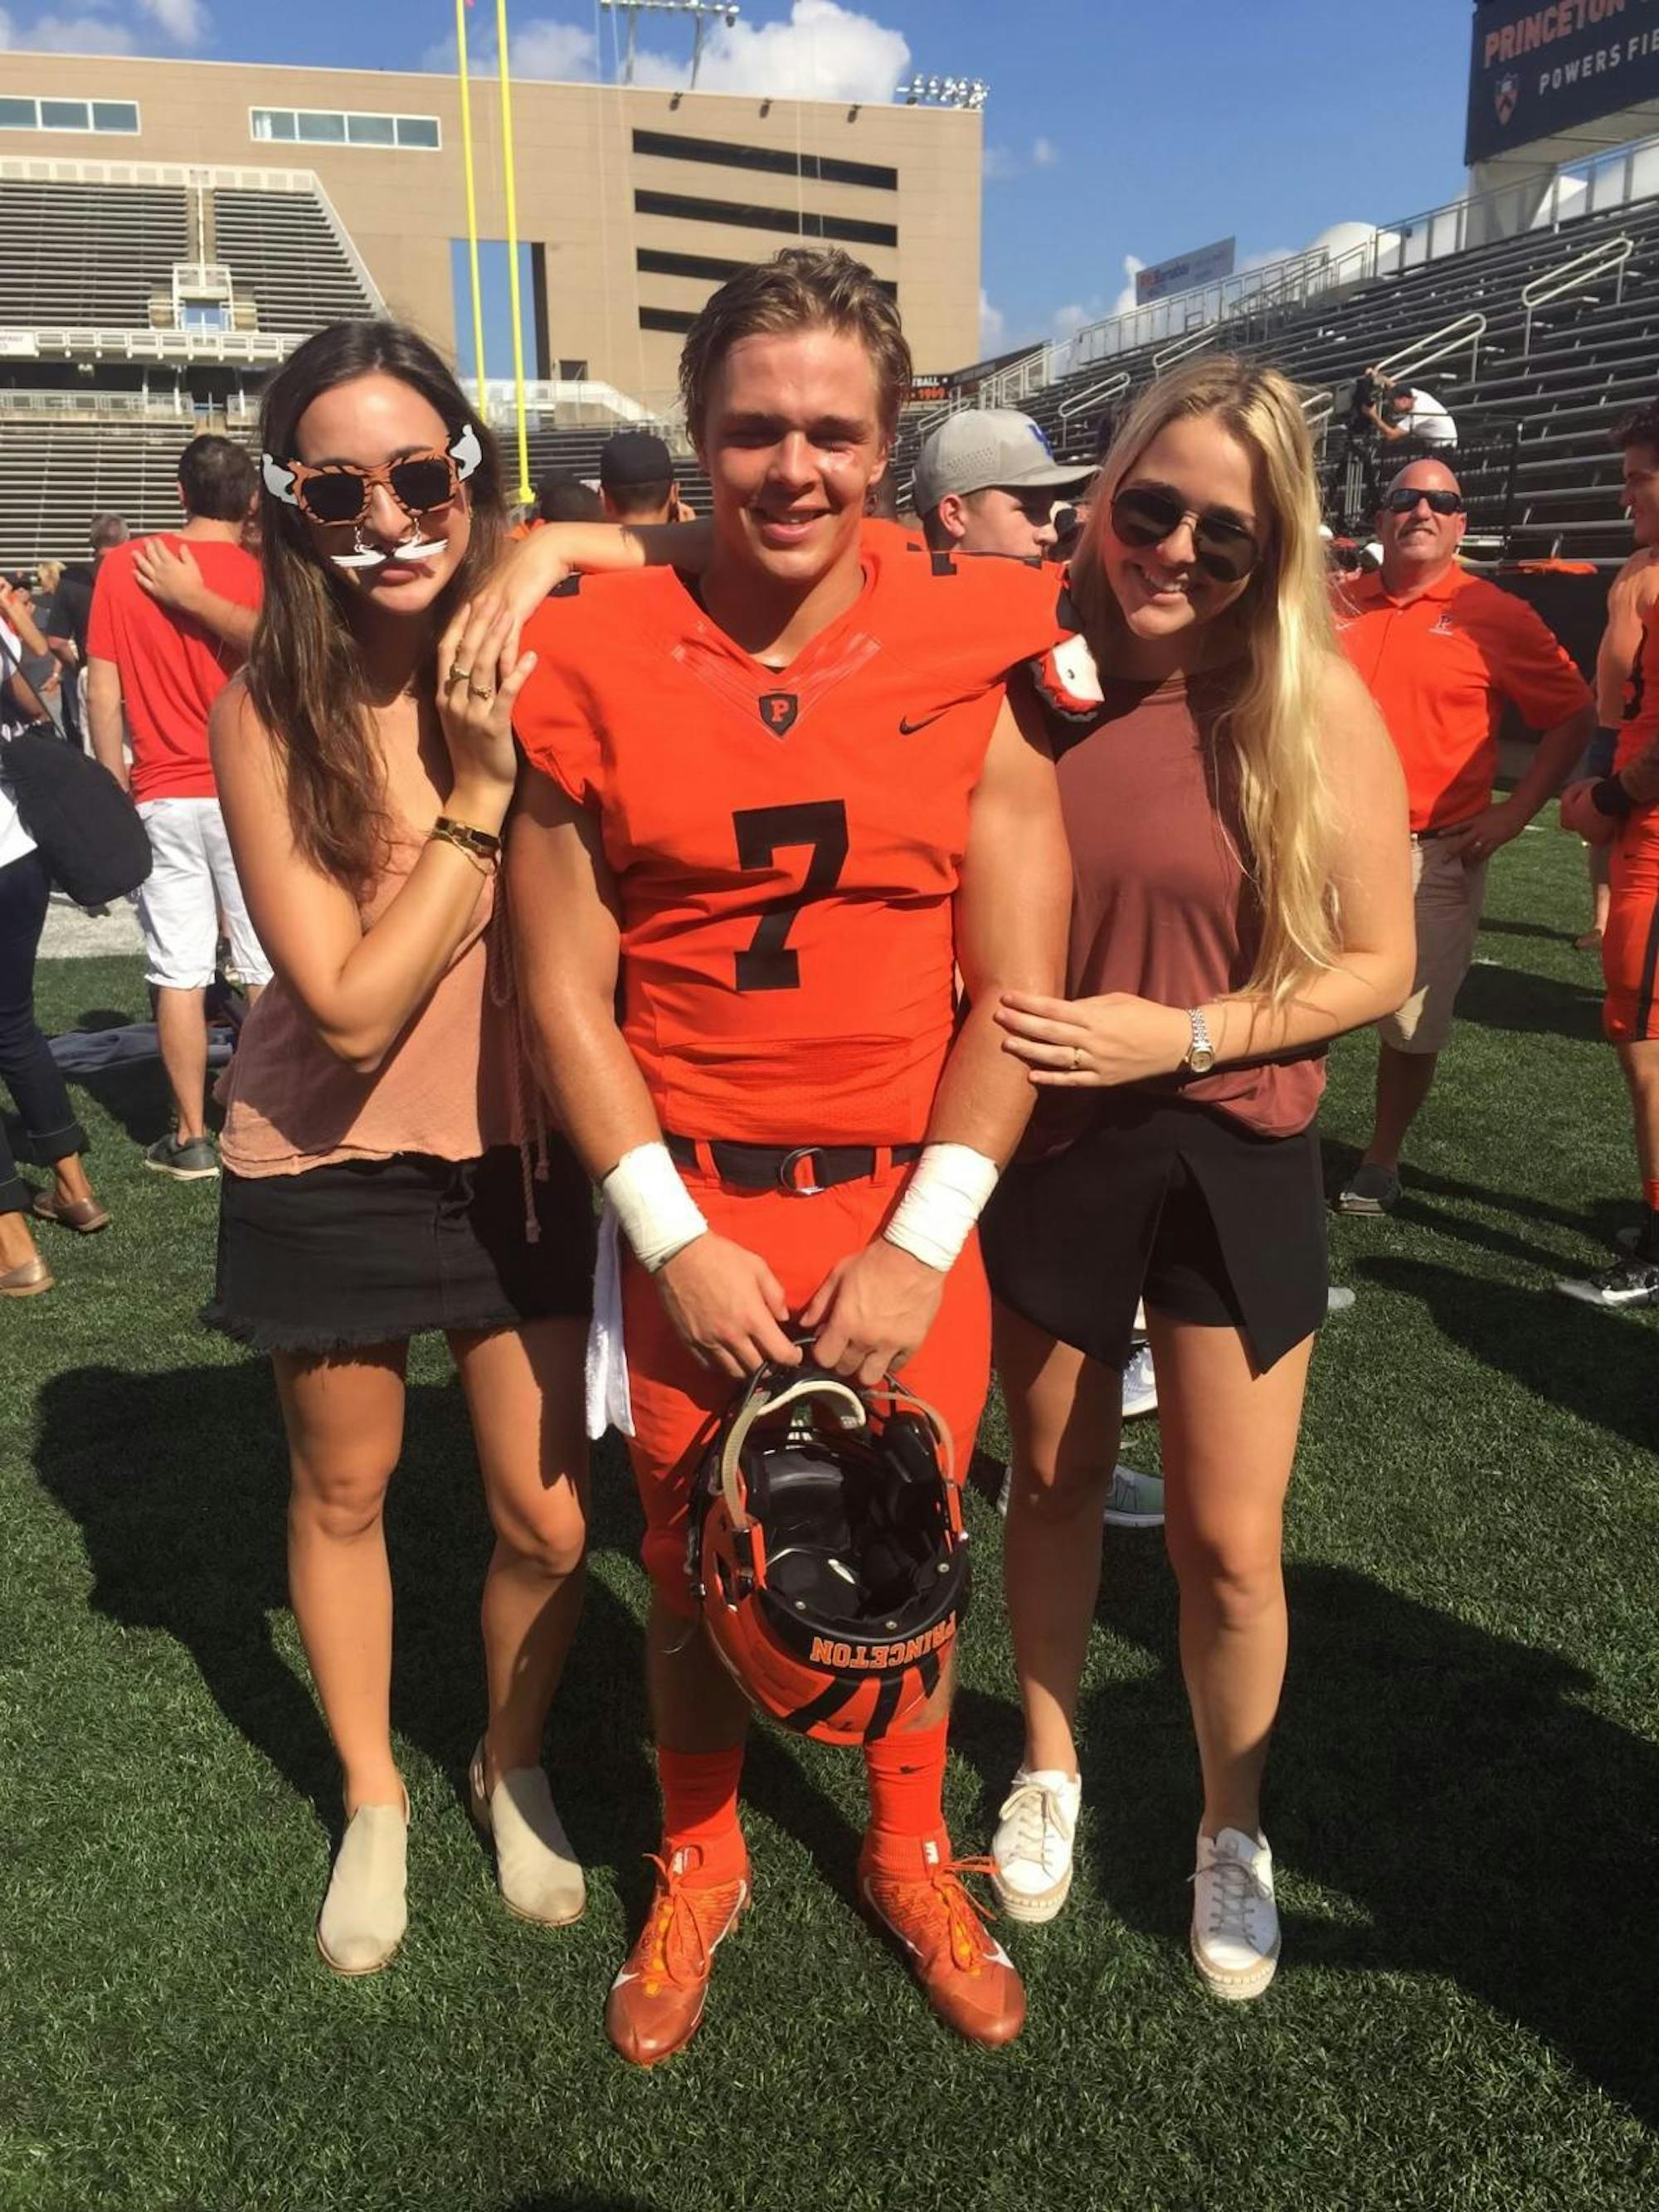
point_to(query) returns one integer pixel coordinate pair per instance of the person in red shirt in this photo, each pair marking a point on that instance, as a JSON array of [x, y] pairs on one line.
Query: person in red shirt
[[1615, 808], [172, 618], [780, 809], [1440, 650]]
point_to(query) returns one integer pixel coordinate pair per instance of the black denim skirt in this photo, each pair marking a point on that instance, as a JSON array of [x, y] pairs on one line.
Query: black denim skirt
[[372, 1251]]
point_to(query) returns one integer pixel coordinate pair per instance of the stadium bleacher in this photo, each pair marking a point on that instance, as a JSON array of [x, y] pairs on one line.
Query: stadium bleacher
[[136, 306], [1558, 374]]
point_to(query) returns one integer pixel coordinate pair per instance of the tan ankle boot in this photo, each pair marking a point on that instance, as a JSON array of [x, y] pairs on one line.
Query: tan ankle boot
[[364, 1912], [540, 1878]]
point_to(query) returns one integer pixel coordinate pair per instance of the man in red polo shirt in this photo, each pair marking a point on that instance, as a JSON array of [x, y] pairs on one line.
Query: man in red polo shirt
[[1440, 650], [170, 623]]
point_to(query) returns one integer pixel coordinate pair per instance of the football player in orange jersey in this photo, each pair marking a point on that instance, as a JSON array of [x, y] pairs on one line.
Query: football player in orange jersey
[[780, 808]]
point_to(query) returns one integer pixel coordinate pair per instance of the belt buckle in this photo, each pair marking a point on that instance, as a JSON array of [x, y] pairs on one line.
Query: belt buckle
[[785, 1171]]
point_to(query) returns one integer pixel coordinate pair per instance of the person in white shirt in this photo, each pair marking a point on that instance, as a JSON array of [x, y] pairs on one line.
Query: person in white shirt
[[1409, 411]]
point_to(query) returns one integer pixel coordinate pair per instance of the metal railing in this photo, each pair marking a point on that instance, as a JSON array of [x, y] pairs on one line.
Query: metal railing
[[1095, 395], [75, 343], [1198, 341], [96, 406], [1595, 185], [1464, 333], [583, 403], [1017, 382], [176, 175], [1608, 257]]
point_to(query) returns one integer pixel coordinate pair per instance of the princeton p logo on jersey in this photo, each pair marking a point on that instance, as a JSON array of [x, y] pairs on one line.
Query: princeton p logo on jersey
[[778, 710]]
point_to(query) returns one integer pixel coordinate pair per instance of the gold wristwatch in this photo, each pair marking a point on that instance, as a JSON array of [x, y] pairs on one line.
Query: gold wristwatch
[[1200, 1052]]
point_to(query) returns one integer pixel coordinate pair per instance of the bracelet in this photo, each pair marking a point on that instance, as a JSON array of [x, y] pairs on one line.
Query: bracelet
[[944, 1197], [481, 841], [658, 1213], [1610, 797]]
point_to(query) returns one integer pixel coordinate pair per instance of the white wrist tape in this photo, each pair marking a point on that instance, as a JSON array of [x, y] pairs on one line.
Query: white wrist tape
[[658, 1215], [944, 1197]]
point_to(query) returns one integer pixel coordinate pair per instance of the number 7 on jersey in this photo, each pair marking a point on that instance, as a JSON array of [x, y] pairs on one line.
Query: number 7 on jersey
[[762, 832]]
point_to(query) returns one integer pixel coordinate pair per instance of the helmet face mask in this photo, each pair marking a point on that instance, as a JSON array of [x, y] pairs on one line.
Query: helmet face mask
[[828, 1553]]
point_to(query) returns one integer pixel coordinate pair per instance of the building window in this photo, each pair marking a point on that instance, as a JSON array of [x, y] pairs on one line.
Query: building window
[[667, 318], [847, 228], [705, 268], [103, 115], [311, 126], [820, 168]]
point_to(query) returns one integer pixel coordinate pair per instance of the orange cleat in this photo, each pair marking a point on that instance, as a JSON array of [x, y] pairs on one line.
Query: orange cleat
[[656, 2001], [968, 1977]]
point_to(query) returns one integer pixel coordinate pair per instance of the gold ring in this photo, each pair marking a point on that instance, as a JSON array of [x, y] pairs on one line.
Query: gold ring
[[1076, 1059], [473, 692], [456, 675]]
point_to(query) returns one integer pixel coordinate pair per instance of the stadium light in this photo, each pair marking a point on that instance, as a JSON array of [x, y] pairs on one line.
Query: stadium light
[[702, 12], [944, 92]]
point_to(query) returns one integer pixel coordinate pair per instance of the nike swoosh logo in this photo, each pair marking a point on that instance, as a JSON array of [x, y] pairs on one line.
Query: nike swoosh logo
[[907, 728]]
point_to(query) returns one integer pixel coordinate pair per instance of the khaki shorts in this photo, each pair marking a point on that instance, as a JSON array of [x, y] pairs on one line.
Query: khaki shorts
[[1446, 901]]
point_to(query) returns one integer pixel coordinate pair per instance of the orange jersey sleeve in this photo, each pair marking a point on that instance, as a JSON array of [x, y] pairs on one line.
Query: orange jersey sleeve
[[786, 846]]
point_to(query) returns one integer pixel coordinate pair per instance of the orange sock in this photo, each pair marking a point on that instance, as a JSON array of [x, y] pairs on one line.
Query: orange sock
[[700, 1807], [907, 1791]]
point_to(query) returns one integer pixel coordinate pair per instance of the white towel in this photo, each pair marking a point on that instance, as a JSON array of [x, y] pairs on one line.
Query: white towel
[[608, 1402]]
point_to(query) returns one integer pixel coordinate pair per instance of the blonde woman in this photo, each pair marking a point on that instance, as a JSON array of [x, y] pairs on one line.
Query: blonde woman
[[1237, 827]]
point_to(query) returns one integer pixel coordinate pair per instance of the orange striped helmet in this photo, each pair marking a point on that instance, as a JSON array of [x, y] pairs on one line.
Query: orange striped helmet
[[828, 1553]]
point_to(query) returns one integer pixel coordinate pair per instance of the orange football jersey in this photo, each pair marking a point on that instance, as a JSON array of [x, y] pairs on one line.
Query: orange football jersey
[[786, 845]]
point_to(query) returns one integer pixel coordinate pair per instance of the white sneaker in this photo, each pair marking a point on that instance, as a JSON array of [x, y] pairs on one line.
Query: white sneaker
[[1134, 1500], [1235, 1939], [1031, 1850], [1140, 1384]]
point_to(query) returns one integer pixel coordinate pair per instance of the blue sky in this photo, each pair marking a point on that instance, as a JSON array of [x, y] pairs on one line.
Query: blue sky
[[1114, 128]]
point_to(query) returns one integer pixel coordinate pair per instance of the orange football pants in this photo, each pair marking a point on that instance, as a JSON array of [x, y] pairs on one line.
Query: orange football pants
[[1629, 943], [677, 1405]]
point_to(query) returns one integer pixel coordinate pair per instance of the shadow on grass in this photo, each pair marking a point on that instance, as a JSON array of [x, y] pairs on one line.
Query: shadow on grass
[[178, 1482], [1517, 1002], [1598, 1218], [580, 2200], [1598, 1366], [1448, 1786]]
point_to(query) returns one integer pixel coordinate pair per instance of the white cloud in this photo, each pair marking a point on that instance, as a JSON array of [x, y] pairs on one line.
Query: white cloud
[[993, 328], [823, 51], [1045, 154], [999, 163], [98, 28], [71, 35], [1069, 320], [185, 21], [547, 48], [541, 48], [1125, 299]]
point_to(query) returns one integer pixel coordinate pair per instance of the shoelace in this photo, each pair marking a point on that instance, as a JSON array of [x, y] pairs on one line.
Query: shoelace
[[674, 1915], [965, 1928], [1238, 1889], [1035, 1808]]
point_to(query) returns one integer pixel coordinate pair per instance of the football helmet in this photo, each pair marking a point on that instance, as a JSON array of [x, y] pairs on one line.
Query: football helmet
[[827, 1551]]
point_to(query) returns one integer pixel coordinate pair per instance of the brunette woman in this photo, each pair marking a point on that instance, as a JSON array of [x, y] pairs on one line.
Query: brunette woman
[[373, 1185], [1242, 893]]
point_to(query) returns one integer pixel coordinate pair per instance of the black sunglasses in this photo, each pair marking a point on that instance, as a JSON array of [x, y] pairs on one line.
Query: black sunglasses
[[1224, 548], [1401, 500]]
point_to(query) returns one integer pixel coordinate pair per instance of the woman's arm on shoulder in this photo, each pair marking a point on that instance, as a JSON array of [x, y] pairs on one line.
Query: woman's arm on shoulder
[[358, 987], [537, 563]]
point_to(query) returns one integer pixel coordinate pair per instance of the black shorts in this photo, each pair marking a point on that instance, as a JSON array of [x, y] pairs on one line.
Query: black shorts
[[372, 1251], [1171, 1202]]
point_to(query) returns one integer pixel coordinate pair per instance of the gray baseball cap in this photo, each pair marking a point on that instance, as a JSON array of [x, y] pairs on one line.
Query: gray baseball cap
[[980, 446]]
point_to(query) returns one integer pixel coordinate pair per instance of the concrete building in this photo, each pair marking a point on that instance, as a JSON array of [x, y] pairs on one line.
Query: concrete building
[[633, 203]]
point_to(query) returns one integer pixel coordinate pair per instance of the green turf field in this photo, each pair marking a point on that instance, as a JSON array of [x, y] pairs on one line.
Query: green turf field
[[1462, 1798]]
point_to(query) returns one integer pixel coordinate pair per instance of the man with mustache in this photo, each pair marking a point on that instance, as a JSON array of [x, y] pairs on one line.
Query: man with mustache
[[1441, 650]]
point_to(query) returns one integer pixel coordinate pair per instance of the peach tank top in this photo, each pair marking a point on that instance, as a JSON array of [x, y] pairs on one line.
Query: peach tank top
[[449, 1088]]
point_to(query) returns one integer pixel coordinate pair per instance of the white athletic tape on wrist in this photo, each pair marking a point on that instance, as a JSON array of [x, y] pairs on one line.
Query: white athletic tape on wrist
[[944, 1197], [658, 1215]]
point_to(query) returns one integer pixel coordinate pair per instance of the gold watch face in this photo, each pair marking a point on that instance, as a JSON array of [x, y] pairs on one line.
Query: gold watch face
[[1201, 1060]]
